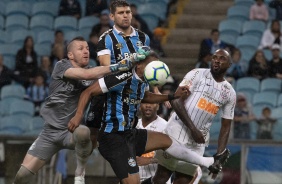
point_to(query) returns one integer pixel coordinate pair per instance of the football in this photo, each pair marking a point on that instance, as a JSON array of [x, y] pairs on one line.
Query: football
[[156, 73]]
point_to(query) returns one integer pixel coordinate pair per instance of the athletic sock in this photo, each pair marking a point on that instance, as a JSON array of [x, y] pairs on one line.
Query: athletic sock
[[185, 154]]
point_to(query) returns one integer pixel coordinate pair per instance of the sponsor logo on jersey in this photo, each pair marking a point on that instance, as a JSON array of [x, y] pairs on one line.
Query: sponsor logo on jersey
[[207, 106], [119, 46], [124, 75], [139, 44], [90, 116], [131, 162], [86, 82], [149, 155], [131, 101]]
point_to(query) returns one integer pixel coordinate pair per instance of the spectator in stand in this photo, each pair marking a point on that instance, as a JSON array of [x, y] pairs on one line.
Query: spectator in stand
[[37, 92], [275, 65], [156, 41], [205, 60], [259, 11], [6, 75], [142, 22], [243, 116], [211, 44], [70, 7], [104, 25], [26, 62], [46, 68], [277, 5], [258, 66], [271, 36], [265, 123], [93, 44], [59, 39], [58, 53], [238, 67], [95, 7]]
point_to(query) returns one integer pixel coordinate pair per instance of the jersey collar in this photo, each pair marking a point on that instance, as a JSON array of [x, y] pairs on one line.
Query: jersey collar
[[121, 33], [136, 76]]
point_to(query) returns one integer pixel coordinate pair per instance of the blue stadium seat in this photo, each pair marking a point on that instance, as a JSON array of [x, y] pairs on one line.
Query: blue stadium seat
[[18, 36], [85, 33], [214, 131], [265, 98], [277, 112], [5, 105], [136, 2], [157, 8], [45, 8], [9, 52], [247, 53], [22, 107], [40, 23], [247, 3], [87, 22], [238, 13], [228, 38], [15, 125], [2, 22], [12, 91], [18, 8], [3, 38], [257, 109], [249, 84], [37, 126], [268, 54], [2, 8], [42, 49], [151, 20], [247, 41], [83, 7], [10, 62], [69, 35], [277, 133], [16, 22], [253, 27], [65, 23], [230, 27], [253, 130], [279, 102], [271, 84], [46, 36]]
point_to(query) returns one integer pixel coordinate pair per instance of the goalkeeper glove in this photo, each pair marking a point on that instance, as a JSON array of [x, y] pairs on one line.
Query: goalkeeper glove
[[123, 65], [141, 54]]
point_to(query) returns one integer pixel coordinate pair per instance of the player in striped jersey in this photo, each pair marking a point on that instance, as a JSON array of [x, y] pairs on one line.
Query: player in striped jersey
[[190, 123], [151, 121], [119, 141]]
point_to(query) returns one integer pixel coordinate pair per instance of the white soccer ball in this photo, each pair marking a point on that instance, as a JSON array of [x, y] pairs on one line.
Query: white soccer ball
[[156, 73]]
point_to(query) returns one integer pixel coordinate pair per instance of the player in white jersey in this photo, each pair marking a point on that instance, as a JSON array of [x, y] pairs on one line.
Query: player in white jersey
[[151, 121], [191, 121]]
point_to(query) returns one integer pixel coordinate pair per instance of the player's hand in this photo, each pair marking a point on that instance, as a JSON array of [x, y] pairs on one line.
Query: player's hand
[[141, 54], [198, 136], [74, 123], [123, 65]]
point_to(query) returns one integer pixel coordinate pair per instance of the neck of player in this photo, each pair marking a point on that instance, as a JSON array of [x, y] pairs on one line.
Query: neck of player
[[147, 120]]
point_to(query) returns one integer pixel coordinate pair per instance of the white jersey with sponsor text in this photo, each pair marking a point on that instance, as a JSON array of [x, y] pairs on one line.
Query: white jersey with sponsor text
[[206, 98], [157, 125]]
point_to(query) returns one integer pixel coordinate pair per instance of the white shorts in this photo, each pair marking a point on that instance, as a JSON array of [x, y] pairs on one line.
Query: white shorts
[[173, 164]]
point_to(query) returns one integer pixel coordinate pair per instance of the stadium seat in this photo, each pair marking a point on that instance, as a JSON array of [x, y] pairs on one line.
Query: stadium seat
[[230, 27], [10, 62], [277, 133], [36, 126], [42, 49], [9, 49], [247, 41], [16, 22], [65, 23], [151, 20], [2, 22], [228, 38], [268, 54], [69, 35], [247, 3], [237, 12], [214, 131], [157, 8], [40, 23], [2, 37], [257, 109], [277, 112], [279, 102], [271, 84], [18, 8], [2, 8], [45, 8], [249, 84], [87, 22], [18, 36], [46, 36], [253, 130], [265, 98], [12, 91], [253, 27], [22, 107], [137, 2], [15, 125], [247, 53]]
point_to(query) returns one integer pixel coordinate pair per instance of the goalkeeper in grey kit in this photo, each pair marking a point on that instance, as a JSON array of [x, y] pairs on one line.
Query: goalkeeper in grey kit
[[69, 78]]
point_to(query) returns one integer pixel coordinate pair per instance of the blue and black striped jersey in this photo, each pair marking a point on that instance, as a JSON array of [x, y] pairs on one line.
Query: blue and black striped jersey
[[124, 92], [113, 42]]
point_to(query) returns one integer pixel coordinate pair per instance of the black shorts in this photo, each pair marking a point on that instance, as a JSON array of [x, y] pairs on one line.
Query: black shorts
[[121, 148], [96, 111]]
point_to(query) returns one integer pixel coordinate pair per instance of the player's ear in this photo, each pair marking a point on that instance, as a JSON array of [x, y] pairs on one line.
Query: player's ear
[[70, 55], [111, 16]]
